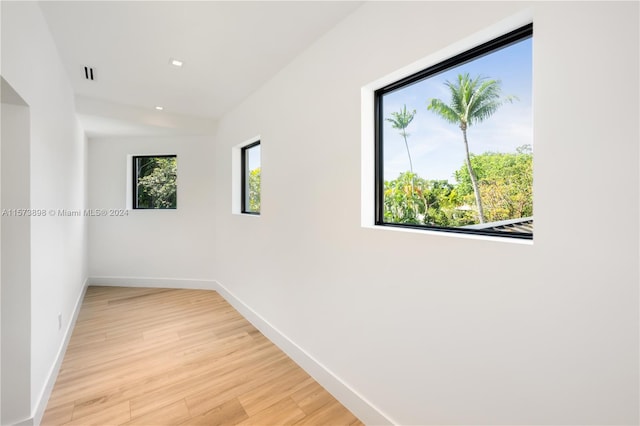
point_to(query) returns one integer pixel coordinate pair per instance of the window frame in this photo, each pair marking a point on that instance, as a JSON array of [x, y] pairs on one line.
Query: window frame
[[135, 177], [244, 159], [511, 37]]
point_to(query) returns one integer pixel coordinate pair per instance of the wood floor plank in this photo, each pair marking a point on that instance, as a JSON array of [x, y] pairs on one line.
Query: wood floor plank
[[211, 377], [235, 384], [168, 356], [228, 413], [271, 392], [171, 414], [332, 413], [57, 415], [283, 412], [312, 398], [114, 415]]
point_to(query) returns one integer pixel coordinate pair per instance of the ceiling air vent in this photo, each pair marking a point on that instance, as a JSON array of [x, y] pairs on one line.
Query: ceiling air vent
[[88, 73]]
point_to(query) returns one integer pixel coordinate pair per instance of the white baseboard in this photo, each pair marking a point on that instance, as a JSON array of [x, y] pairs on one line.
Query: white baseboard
[[28, 422], [356, 403], [55, 369], [147, 282]]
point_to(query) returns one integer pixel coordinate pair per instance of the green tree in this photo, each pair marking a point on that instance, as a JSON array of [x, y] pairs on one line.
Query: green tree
[[399, 121], [400, 200], [505, 181], [254, 190], [157, 187], [426, 203], [472, 101]]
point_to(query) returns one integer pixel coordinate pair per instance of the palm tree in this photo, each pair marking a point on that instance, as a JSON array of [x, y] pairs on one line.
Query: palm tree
[[400, 120], [472, 101]]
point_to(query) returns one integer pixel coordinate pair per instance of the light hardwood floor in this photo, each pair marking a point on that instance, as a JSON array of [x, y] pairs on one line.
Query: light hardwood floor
[[171, 357]]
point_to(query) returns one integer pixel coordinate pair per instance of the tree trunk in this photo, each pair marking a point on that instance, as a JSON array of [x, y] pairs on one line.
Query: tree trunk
[[472, 175], [406, 144], [413, 207]]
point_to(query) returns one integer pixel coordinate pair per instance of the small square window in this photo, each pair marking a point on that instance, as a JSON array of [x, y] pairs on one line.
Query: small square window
[[155, 182], [454, 143], [250, 160]]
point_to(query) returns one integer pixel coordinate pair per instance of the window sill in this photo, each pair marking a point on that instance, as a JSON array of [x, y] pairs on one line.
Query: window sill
[[246, 214], [451, 234]]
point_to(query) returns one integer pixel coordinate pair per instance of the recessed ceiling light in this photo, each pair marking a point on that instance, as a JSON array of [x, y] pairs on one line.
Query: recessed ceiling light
[[159, 108], [175, 62]]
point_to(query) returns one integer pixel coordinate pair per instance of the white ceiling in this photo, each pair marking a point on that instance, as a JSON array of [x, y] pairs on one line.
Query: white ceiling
[[229, 49]]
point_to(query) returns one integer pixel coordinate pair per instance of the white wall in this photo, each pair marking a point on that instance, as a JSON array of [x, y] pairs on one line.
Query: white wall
[[428, 329], [151, 244], [433, 329], [30, 64], [16, 259]]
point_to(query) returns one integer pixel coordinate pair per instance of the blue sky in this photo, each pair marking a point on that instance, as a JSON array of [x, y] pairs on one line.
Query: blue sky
[[436, 146], [253, 157]]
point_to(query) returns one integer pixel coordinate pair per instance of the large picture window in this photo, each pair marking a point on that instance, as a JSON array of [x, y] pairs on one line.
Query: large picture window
[[454, 143], [155, 182], [250, 160]]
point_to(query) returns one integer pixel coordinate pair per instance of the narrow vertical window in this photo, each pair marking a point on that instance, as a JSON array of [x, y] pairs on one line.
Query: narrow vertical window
[[250, 159], [155, 182], [454, 143]]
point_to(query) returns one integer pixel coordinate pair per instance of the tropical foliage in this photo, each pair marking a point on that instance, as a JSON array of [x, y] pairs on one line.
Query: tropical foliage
[[400, 121], [504, 182], [254, 190], [157, 183], [473, 100], [413, 200]]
